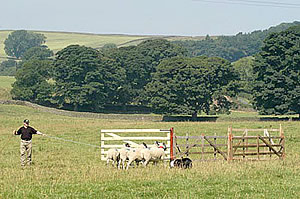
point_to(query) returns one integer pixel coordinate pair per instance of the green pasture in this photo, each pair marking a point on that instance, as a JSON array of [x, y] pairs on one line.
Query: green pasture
[[59, 40], [68, 170], [5, 87]]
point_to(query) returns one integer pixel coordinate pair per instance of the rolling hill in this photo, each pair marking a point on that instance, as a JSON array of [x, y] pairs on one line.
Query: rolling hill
[[59, 40]]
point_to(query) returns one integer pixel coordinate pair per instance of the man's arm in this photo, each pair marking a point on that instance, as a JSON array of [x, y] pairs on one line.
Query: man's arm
[[40, 133], [15, 132]]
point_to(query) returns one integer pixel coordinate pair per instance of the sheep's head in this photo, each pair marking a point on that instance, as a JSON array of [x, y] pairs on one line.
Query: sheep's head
[[127, 145], [145, 145], [161, 145]]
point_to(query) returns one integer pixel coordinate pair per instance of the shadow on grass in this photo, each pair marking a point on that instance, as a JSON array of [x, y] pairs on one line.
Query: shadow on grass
[[275, 119], [189, 118]]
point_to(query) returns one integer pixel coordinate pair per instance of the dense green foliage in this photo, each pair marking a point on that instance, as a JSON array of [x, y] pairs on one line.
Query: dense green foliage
[[19, 41], [139, 62], [8, 67], [83, 77], [244, 67], [31, 82], [39, 52], [232, 48], [277, 74], [189, 85], [160, 74]]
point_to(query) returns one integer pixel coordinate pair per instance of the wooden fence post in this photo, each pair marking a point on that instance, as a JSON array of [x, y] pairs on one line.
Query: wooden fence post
[[172, 144], [283, 141], [230, 152], [187, 144]]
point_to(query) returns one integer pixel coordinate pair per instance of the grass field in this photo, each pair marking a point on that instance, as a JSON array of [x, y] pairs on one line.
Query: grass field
[[5, 87], [59, 40], [68, 170]]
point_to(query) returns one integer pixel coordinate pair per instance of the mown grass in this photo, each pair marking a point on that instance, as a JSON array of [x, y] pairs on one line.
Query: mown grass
[[68, 170]]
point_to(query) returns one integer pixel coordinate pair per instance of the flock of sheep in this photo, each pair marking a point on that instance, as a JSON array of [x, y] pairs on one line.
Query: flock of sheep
[[141, 153]]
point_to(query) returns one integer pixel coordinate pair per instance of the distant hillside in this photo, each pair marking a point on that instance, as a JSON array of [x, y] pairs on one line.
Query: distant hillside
[[228, 47], [59, 40], [5, 87], [235, 47]]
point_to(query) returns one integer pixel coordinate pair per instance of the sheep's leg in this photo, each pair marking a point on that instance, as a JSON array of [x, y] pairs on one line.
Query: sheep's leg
[[113, 163], [137, 162], [128, 163], [123, 164], [107, 161], [146, 162], [118, 164], [164, 162]]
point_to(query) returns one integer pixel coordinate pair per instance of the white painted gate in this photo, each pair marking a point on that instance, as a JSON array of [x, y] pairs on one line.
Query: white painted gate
[[116, 138]]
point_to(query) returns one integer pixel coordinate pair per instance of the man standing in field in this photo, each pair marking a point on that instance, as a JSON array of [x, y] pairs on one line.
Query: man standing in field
[[26, 133]]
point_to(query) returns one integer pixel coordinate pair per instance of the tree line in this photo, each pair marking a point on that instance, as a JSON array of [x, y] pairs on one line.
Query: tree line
[[161, 76], [232, 48]]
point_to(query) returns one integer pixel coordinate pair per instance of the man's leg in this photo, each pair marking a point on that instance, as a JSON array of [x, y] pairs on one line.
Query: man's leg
[[29, 153], [23, 152]]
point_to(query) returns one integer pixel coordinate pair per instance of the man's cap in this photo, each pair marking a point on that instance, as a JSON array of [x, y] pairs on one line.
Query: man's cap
[[26, 121]]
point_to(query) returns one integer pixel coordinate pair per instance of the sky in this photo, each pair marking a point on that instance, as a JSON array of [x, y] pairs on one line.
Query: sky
[[148, 17]]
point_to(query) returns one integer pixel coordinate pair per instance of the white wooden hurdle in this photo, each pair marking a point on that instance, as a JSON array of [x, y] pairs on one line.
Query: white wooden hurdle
[[108, 136]]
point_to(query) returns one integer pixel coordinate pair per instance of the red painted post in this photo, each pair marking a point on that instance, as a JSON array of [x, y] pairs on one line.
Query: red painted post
[[172, 144]]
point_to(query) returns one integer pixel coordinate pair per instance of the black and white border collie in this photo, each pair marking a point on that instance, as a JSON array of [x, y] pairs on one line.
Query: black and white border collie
[[184, 163]]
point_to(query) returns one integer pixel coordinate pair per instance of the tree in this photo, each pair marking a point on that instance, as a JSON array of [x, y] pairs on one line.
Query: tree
[[19, 41], [231, 48], [8, 68], [188, 85], [139, 62], [39, 52], [244, 67], [84, 78], [31, 82], [276, 88]]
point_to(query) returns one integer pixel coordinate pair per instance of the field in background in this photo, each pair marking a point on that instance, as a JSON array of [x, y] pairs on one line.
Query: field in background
[[5, 87], [68, 170], [59, 40]]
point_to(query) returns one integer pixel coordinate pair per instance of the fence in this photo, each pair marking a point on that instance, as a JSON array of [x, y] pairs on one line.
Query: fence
[[232, 147], [115, 138], [259, 146]]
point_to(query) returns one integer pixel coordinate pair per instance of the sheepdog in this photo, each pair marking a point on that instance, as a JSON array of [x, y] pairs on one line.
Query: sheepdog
[[184, 163]]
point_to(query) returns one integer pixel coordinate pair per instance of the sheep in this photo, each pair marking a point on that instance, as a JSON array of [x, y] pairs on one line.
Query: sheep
[[123, 156], [154, 154], [135, 154], [158, 153], [113, 155]]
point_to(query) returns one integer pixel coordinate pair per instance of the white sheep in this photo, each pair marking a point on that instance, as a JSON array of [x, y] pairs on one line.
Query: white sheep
[[123, 156], [158, 153], [135, 154], [154, 154], [113, 155]]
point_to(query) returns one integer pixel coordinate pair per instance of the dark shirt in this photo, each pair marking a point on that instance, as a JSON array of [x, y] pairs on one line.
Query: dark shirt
[[26, 133]]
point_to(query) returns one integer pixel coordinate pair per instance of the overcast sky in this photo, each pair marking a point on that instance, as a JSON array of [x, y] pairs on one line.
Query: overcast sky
[[148, 17]]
